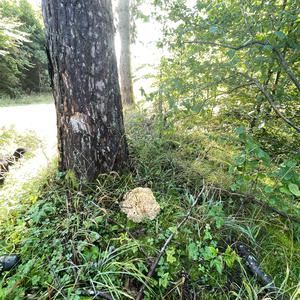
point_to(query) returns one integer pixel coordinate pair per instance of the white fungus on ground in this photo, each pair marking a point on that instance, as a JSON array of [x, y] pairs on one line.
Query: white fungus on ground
[[140, 205]]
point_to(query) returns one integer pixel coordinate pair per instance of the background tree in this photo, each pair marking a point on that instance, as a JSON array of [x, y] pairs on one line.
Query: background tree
[[11, 38], [25, 68], [234, 63], [80, 42], [125, 60]]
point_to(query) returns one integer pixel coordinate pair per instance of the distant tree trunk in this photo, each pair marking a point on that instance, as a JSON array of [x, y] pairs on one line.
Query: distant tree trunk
[[125, 61], [83, 67]]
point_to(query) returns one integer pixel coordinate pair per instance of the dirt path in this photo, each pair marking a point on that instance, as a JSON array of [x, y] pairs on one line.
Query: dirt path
[[40, 119]]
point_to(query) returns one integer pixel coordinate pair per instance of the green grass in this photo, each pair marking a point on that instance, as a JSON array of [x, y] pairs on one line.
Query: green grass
[[74, 237], [44, 98]]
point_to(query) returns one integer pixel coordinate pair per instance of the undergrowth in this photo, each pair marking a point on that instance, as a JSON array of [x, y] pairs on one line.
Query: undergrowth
[[72, 237], [10, 140]]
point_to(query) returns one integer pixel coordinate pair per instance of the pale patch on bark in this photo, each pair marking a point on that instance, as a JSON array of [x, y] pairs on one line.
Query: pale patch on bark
[[65, 80], [78, 123], [93, 51], [100, 85]]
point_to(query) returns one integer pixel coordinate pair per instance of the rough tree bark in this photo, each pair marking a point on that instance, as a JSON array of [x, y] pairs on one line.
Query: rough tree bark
[[125, 61], [83, 67]]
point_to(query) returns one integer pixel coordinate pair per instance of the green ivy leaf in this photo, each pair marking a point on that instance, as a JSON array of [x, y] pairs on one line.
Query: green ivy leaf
[[268, 189], [170, 255], [240, 130], [209, 253], [280, 35], [230, 53], [163, 279], [218, 264], [284, 190], [193, 251], [229, 257], [294, 189]]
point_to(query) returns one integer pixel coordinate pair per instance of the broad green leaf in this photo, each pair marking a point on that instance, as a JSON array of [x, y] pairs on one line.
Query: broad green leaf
[[229, 257], [218, 264], [294, 189], [193, 251], [230, 53], [268, 189], [285, 191], [280, 35], [240, 130], [170, 255]]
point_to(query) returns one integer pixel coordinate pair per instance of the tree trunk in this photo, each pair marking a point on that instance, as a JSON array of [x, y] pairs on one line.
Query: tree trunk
[[83, 67], [125, 62]]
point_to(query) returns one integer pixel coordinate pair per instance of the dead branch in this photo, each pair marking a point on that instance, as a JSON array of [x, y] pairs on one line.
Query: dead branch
[[253, 265], [255, 268], [262, 204], [167, 242], [240, 47]]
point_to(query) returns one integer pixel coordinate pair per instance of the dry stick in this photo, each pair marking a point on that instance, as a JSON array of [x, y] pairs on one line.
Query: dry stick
[[271, 208], [254, 266], [167, 242]]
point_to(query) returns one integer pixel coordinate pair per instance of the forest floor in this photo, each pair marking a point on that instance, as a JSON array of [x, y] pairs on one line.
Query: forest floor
[[74, 240]]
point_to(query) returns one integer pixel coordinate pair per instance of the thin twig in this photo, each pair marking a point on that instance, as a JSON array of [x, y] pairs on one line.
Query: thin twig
[[246, 45], [286, 67], [270, 99], [280, 57], [167, 242], [262, 204]]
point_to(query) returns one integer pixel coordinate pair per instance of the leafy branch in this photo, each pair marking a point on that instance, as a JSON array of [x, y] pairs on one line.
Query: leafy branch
[[271, 100], [281, 60]]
